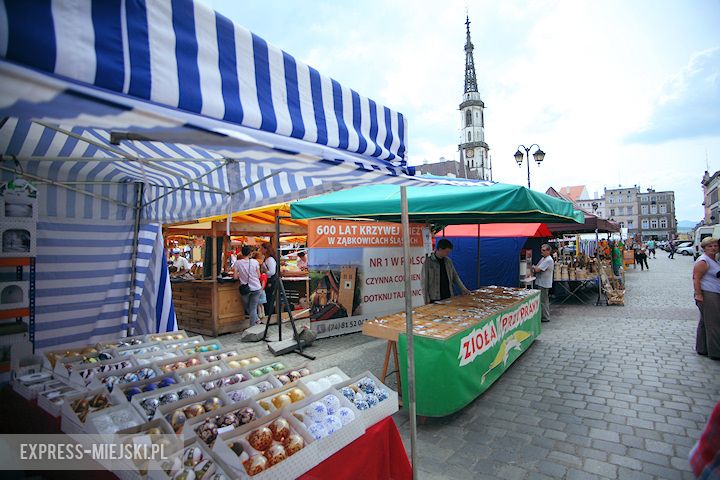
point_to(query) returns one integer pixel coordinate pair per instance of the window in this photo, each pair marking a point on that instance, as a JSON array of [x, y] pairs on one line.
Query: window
[[644, 209], [653, 223], [482, 119], [612, 212], [663, 208], [652, 199], [621, 211], [653, 209], [644, 224], [663, 223], [630, 224], [612, 200], [630, 210], [469, 136], [468, 118], [622, 224]]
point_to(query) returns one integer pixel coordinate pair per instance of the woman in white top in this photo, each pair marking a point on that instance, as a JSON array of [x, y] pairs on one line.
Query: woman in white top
[[247, 272], [706, 283], [271, 268]]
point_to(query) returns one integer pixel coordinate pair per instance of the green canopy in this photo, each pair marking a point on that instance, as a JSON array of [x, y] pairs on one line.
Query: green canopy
[[447, 204]]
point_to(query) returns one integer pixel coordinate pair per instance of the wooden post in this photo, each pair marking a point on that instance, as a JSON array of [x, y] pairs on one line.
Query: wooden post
[[215, 294]]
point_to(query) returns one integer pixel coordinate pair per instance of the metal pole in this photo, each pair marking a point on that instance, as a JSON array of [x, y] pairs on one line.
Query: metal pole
[[133, 258], [478, 257], [409, 330], [527, 155], [278, 278]]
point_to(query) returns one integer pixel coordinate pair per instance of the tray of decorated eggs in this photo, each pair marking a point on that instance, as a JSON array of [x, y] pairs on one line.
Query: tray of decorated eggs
[[83, 375], [321, 381], [373, 399], [53, 357], [29, 385], [211, 346], [247, 361], [271, 447], [160, 356], [202, 371], [131, 374], [179, 412], [112, 419], [78, 408], [65, 365], [167, 392], [222, 354], [291, 375], [156, 432], [52, 400], [196, 461], [179, 363], [222, 379], [251, 388], [143, 349], [330, 419], [125, 342], [183, 343], [208, 426], [148, 385], [168, 336], [265, 368], [283, 396]]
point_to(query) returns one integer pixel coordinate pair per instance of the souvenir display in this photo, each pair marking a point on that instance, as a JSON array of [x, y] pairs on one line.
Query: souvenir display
[[271, 444], [192, 410], [208, 430]]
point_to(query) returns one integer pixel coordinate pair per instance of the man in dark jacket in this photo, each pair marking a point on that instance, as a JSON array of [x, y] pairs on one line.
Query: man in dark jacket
[[439, 274]]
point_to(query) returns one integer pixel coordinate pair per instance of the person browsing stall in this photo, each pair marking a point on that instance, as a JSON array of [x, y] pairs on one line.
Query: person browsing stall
[[181, 264], [271, 268], [706, 283], [247, 271], [302, 262], [544, 279], [439, 274]]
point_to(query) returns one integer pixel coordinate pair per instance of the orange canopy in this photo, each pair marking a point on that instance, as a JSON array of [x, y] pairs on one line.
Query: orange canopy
[[498, 230]]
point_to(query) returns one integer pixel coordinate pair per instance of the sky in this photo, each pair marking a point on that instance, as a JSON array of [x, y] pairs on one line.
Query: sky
[[614, 92]]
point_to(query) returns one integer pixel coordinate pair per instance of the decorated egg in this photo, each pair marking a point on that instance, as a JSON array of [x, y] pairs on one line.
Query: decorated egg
[[171, 397], [280, 429], [346, 415], [150, 387], [284, 379], [187, 393], [252, 390], [203, 348], [381, 394], [212, 404], [304, 372], [150, 404], [277, 366], [293, 443], [212, 384], [194, 410], [130, 392], [202, 373], [185, 474], [367, 385], [207, 431], [173, 466], [294, 375], [229, 419], [316, 411], [104, 356], [179, 365], [99, 401], [153, 431], [260, 439], [145, 373], [234, 364], [332, 403], [237, 395], [361, 405], [254, 360], [266, 369], [332, 424], [371, 399], [192, 456], [167, 381], [130, 377], [264, 386], [213, 347], [233, 379], [255, 464], [313, 386], [212, 358], [275, 454], [215, 369], [191, 362], [281, 401], [256, 373], [265, 405], [188, 377], [296, 395], [111, 381], [317, 430], [177, 420], [244, 362], [204, 469], [246, 415]]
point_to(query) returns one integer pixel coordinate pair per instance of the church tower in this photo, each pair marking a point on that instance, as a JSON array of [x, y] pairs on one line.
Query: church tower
[[473, 149]]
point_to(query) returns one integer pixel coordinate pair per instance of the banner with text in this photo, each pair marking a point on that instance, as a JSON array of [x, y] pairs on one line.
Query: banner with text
[[356, 272]]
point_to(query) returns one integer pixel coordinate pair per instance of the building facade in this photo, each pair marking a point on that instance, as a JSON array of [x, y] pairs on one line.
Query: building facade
[[621, 206], [657, 215], [710, 184], [447, 168]]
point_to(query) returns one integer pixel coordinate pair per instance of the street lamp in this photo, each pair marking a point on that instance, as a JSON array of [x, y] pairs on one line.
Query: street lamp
[[539, 156]]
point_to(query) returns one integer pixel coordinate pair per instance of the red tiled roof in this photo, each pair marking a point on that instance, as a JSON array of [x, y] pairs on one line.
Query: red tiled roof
[[573, 192]]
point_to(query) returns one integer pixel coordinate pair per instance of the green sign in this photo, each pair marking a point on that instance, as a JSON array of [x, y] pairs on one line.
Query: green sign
[[451, 373]]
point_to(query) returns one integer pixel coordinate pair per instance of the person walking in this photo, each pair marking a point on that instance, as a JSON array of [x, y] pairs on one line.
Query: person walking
[[651, 248], [706, 284], [672, 248], [247, 271], [616, 258], [642, 257], [544, 280], [271, 268]]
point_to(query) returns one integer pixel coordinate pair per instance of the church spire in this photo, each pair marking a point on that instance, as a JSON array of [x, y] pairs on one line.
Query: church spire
[[470, 79]]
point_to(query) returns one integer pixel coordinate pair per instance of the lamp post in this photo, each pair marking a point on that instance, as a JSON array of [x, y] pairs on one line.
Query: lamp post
[[539, 156], [595, 207]]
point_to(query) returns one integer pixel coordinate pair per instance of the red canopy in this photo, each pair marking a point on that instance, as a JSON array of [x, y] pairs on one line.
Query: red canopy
[[498, 230]]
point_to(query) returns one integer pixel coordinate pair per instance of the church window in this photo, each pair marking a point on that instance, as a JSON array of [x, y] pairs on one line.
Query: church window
[[469, 136], [482, 119], [468, 118]]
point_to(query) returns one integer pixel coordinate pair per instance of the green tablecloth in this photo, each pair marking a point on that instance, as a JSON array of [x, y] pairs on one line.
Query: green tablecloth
[[451, 373]]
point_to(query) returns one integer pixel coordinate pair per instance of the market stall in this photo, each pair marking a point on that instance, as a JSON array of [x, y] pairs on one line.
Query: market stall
[[471, 332]]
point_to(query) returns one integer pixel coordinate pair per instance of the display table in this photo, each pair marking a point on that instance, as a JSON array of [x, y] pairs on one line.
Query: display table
[[208, 307], [573, 288], [378, 454], [463, 344]]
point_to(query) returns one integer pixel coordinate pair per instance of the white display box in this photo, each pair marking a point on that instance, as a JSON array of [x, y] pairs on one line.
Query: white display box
[[167, 336], [288, 372], [14, 294], [190, 374], [209, 383], [142, 383], [30, 384], [268, 367], [161, 356], [383, 409], [226, 354], [101, 379], [314, 377], [265, 400], [137, 400], [121, 342], [165, 410], [52, 400], [167, 365], [292, 467], [202, 348], [107, 421], [176, 344], [53, 357], [83, 375], [192, 424], [18, 238], [334, 442], [129, 435], [158, 471], [71, 423], [136, 350], [274, 382]]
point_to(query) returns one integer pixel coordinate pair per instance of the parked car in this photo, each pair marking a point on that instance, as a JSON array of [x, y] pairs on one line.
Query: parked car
[[686, 250], [701, 233], [568, 249]]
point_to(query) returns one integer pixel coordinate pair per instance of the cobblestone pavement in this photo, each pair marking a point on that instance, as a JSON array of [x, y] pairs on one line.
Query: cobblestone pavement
[[605, 392]]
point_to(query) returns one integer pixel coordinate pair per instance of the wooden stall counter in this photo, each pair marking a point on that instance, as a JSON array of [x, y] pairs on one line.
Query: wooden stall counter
[[209, 308]]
